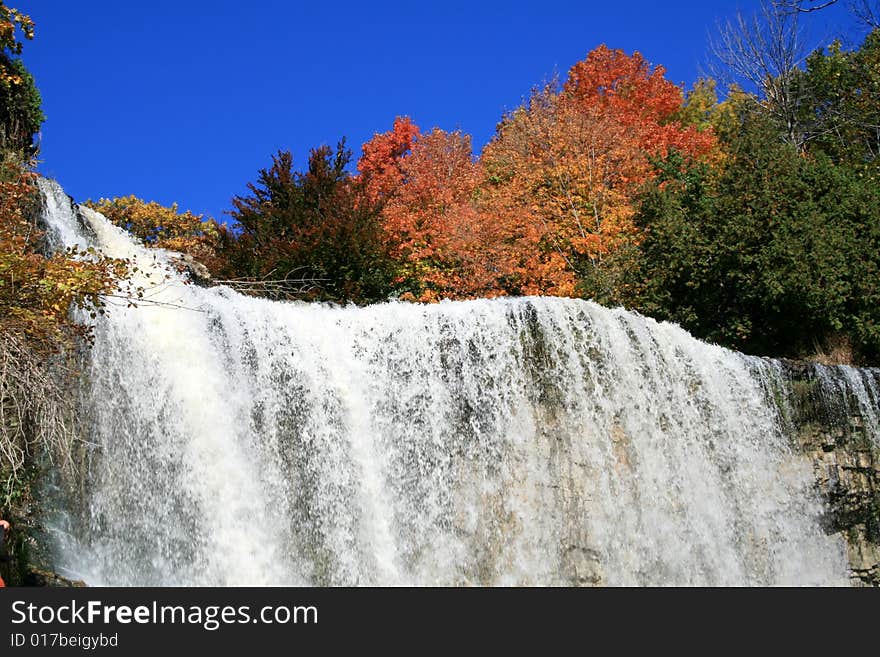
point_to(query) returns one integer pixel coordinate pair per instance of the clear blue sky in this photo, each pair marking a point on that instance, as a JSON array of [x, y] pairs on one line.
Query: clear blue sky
[[185, 100]]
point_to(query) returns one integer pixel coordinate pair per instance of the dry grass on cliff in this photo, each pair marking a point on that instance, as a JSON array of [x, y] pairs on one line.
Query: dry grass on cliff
[[36, 413], [837, 350]]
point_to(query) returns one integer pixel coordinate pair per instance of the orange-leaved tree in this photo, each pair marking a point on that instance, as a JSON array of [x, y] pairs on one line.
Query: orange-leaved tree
[[428, 187], [379, 166], [572, 157]]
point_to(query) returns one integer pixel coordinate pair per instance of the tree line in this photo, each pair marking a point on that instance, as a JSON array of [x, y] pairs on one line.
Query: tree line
[[751, 219]]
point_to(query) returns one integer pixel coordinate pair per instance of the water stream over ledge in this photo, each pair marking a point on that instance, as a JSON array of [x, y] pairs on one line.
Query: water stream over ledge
[[241, 441]]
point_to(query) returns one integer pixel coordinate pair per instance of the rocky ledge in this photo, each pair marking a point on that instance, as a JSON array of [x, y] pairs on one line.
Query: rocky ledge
[[836, 428]]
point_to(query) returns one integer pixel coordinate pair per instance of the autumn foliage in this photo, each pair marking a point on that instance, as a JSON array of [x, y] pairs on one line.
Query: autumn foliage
[[611, 183], [551, 196], [544, 209], [573, 158], [38, 290], [168, 228], [427, 186]]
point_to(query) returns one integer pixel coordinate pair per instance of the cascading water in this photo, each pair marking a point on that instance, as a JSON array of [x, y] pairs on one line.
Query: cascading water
[[854, 392], [510, 441]]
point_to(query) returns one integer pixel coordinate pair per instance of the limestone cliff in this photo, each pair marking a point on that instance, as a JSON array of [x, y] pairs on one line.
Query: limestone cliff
[[833, 416]]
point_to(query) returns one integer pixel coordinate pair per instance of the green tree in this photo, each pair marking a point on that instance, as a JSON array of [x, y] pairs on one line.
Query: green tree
[[20, 112], [844, 102], [312, 234], [20, 108], [773, 253]]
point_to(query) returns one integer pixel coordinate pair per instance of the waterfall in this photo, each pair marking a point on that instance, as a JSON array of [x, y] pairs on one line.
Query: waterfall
[[241, 441]]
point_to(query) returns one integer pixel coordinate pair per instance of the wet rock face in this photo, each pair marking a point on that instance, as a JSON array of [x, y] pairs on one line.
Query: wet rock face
[[38, 577], [848, 478], [835, 429], [25, 559]]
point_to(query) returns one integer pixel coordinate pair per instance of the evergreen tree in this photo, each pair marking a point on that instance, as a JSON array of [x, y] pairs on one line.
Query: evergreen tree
[[315, 234]]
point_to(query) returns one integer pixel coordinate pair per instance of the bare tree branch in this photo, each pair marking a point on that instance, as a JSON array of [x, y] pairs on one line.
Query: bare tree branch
[[37, 412], [763, 53], [805, 6], [289, 287], [867, 12]]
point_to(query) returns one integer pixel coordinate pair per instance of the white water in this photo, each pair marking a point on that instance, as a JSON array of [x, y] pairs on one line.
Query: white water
[[856, 392], [510, 441]]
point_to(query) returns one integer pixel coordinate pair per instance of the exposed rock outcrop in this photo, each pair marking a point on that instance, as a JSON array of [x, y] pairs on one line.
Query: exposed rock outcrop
[[197, 272], [836, 430], [37, 577]]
